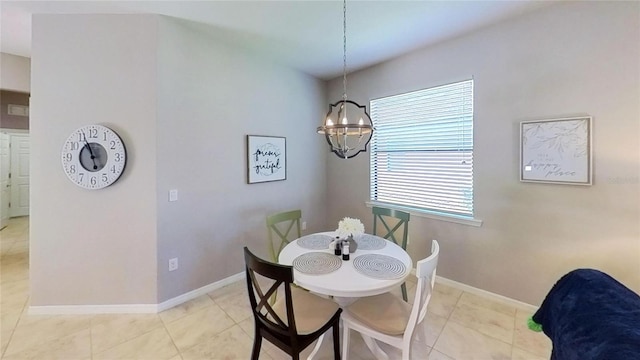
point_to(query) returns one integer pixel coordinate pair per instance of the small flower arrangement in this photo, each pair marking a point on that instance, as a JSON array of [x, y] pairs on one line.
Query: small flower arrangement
[[349, 226]]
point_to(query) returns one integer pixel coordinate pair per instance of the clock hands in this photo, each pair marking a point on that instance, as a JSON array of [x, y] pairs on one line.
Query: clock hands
[[93, 158]]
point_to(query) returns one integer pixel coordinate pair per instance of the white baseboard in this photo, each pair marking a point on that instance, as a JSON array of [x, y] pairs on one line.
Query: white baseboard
[[483, 293], [198, 292], [486, 294], [133, 308], [156, 308], [93, 309]]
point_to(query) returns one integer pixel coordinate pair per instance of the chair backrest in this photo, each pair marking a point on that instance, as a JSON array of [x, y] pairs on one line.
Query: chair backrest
[[426, 274], [263, 312], [282, 225], [395, 223]]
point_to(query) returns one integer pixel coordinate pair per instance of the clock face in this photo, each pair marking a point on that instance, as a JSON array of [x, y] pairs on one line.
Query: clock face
[[94, 157]]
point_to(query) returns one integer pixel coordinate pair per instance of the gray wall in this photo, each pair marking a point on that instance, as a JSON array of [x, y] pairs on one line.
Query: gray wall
[[93, 247], [212, 95], [111, 246], [183, 102], [571, 59]]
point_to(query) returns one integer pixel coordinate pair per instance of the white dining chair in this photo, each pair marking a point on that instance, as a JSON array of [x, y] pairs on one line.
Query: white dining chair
[[387, 318]]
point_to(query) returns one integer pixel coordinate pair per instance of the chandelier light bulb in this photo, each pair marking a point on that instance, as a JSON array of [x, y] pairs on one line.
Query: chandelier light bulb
[[329, 122], [361, 122], [344, 121]]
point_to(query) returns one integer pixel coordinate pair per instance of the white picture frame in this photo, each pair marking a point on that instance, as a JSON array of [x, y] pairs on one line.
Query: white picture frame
[[266, 158], [556, 151]]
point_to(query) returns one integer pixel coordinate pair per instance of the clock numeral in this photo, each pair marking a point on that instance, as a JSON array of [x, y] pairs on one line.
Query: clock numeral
[[93, 133], [72, 169], [104, 136], [118, 157], [113, 144], [81, 137], [68, 156], [113, 169], [105, 178], [74, 146], [81, 176], [93, 180]]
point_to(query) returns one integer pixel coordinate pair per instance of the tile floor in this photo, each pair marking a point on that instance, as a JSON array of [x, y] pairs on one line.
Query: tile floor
[[460, 325]]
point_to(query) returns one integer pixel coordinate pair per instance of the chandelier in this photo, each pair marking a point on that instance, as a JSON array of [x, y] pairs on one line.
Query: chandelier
[[347, 126]]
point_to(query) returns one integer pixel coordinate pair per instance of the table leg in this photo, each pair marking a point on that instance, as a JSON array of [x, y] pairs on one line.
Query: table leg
[[343, 302]]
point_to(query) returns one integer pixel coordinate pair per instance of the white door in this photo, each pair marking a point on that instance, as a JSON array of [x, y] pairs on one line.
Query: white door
[[5, 162], [19, 175]]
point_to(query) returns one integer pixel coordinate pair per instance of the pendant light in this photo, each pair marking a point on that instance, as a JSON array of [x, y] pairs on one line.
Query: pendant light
[[347, 126]]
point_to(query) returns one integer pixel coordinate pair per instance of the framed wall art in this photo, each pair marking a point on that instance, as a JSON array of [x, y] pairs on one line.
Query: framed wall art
[[556, 151], [266, 158]]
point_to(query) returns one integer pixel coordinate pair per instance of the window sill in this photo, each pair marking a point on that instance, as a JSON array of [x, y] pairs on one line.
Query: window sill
[[429, 214]]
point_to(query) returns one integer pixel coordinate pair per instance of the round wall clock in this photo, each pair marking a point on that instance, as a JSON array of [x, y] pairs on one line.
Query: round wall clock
[[94, 157]]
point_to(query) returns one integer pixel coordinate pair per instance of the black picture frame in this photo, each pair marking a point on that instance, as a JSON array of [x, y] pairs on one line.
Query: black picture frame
[[266, 158]]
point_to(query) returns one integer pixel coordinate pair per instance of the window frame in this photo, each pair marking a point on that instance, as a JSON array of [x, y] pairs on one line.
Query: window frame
[[432, 213]]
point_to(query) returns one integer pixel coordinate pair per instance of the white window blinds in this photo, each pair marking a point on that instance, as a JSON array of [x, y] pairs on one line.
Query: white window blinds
[[422, 149]]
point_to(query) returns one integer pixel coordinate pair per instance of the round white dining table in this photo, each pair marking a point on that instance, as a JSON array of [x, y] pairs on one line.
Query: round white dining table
[[346, 281]]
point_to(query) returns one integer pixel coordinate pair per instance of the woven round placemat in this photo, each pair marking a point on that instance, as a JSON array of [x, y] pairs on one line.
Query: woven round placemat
[[370, 242], [379, 266], [315, 242], [317, 263]]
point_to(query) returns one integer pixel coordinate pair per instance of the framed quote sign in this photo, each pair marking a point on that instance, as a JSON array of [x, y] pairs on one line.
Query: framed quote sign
[[266, 158], [556, 151]]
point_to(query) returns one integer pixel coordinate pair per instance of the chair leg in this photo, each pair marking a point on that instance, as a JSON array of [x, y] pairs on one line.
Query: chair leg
[[345, 341], [373, 346], [404, 291], [257, 342], [336, 340], [405, 354], [316, 348], [406, 347], [423, 331]]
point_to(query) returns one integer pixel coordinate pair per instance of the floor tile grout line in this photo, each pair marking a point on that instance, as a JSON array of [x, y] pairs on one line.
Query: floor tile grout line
[[478, 331], [13, 330], [127, 340], [91, 337], [170, 337], [513, 336], [193, 346], [445, 324], [214, 303]]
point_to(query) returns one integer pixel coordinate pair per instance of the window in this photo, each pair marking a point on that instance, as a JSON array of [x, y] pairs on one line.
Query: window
[[422, 150]]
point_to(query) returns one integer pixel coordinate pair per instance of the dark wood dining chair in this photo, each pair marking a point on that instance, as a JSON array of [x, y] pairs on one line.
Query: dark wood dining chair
[[297, 319], [395, 227]]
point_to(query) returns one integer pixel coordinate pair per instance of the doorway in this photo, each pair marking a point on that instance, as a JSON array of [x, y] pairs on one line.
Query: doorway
[[14, 176]]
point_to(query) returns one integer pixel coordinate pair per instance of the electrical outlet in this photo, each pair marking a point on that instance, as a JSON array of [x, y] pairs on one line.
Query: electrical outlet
[[304, 225], [173, 264], [173, 195]]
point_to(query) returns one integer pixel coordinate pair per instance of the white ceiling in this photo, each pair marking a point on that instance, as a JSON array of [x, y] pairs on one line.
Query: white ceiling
[[304, 34]]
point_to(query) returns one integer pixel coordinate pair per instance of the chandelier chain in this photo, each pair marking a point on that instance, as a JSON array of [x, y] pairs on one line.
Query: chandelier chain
[[346, 137], [344, 50]]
